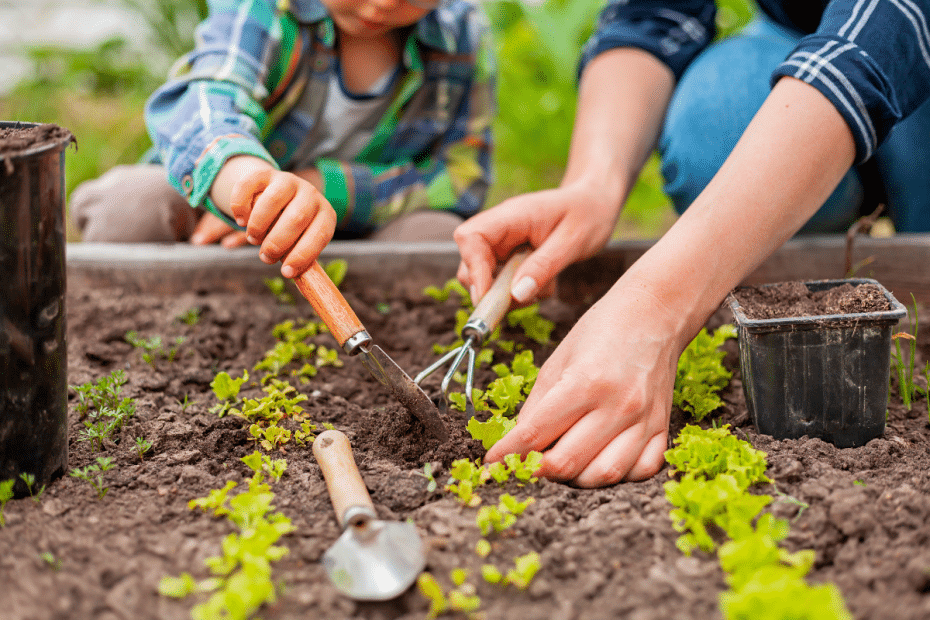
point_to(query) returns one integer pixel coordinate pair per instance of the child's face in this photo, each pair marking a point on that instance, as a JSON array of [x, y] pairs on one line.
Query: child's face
[[371, 18]]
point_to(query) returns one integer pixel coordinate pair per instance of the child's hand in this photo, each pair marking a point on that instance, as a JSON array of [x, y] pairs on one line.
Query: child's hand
[[211, 229], [281, 211]]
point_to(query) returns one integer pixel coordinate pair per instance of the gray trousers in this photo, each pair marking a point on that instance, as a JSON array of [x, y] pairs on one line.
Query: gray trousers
[[136, 204]]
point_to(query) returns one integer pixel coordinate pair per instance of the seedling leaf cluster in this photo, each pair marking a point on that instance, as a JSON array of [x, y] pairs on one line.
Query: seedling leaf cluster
[[711, 500]]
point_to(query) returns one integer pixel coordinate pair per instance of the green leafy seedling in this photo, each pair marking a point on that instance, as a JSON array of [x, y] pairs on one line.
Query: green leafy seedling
[[51, 561], [143, 446], [336, 270], [93, 474], [30, 480], [190, 317], [278, 288], [701, 373], [431, 483], [6, 494]]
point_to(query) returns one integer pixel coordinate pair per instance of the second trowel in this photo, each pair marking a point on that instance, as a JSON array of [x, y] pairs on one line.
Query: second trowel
[[351, 335]]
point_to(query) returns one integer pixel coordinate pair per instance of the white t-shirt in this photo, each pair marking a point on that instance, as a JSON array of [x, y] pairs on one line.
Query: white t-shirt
[[349, 119]]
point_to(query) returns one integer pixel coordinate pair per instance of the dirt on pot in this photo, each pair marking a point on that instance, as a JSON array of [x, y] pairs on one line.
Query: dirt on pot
[[605, 553], [795, 299]]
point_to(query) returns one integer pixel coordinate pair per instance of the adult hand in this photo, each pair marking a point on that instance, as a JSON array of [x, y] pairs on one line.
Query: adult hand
[[600, 408], [211, 229], [564, 225]]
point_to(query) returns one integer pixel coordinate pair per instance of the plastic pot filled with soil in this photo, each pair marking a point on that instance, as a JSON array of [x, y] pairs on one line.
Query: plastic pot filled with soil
[[815, 357], [33, 360]]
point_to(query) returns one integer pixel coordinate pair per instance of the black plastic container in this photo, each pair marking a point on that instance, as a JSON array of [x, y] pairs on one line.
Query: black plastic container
[[33, 357], [821, 376]]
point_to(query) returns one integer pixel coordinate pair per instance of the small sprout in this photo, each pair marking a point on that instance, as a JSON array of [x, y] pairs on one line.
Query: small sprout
[[336, 270], [382, 307], [458, 576], [278, 288], [491, 573], [177, 587], [6, 494], [525, 568], [185, 403], [51, 561], [428, 474], [304, 434], [93, 474], [859, 483], [329, 426], [431, 589], [483, 548], [190, 317], [30, 480], [143, 446]]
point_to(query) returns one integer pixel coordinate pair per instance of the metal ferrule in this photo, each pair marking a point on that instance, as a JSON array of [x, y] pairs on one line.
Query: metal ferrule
[[477, 328], [357, 343], [356, 516]]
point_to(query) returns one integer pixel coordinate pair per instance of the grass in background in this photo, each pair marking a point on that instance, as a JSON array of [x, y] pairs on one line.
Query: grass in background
[[99, 95]]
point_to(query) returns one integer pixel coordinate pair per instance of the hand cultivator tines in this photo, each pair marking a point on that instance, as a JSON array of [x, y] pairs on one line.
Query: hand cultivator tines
[[487, 314]]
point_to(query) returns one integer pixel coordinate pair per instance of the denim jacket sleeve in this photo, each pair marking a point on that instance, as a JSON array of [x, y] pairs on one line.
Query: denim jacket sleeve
[[211, 107], [674, 31], [871, 59]]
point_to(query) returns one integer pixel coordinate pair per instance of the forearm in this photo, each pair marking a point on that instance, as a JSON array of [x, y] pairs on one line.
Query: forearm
[[621, 104], [788, 161]]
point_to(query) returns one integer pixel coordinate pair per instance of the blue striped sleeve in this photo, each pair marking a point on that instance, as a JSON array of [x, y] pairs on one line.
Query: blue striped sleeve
[[871, 59], [674, 31]]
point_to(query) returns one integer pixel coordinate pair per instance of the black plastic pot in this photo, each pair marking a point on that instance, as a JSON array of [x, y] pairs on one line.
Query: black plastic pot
[[33, 357], [821, 376]]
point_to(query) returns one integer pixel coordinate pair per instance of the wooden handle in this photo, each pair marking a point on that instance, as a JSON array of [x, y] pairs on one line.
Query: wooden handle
[[329, 303], [495, 303], [343, 480]]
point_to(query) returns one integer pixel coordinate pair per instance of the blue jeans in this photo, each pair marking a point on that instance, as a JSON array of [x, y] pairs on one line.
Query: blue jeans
[[723, 89]]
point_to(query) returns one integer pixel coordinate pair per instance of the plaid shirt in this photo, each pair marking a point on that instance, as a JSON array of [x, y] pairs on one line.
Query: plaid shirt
[[257, 82]]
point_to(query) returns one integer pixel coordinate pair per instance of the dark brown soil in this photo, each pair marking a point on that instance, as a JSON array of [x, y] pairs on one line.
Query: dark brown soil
[[607, 553], [795, 299], [17, 140]]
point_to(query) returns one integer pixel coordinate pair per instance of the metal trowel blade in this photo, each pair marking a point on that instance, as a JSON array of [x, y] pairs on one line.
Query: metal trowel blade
[[405, 390], [376, 562]]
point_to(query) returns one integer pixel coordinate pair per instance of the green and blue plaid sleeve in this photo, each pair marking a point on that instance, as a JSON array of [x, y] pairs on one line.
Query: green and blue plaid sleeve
[[210, 109], [435, 151]]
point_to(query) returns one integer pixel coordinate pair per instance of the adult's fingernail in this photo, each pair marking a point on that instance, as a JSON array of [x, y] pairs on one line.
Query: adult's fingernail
[[264, 258], [252, 240], [524, 290], [288, 272]]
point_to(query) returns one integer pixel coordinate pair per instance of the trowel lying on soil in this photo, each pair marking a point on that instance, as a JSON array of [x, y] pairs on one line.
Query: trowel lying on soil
[[349, 332], [372, 560], [487, 314]]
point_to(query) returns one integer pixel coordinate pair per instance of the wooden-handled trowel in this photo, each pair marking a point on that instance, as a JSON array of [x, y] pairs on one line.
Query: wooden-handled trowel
[[349, 332], [372, 560]]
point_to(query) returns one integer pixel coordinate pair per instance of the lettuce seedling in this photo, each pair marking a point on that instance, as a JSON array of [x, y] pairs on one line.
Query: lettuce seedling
[[259, 463], [775, 592], [713, 451], [525, 568], [431, 589], [427, 473], [152, 349], [524, 468], [337, 270], [534, 326], [483, 548], [701, 374], [51, 561], [270, 437], [6, 494], [278, 288]]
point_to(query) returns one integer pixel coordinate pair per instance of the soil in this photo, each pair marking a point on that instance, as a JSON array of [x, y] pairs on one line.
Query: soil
[[795, 299], [605, 553], [17, 140]]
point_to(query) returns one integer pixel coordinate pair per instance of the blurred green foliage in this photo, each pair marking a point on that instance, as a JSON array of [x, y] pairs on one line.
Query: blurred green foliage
[[99, 94]]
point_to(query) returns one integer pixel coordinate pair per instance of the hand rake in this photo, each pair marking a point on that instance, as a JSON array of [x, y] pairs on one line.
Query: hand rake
[[487, 314]]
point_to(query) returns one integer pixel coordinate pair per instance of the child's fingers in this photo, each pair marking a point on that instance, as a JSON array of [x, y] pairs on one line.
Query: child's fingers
[[275, 197], [244, 192], [291, 223], [311, 242]]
